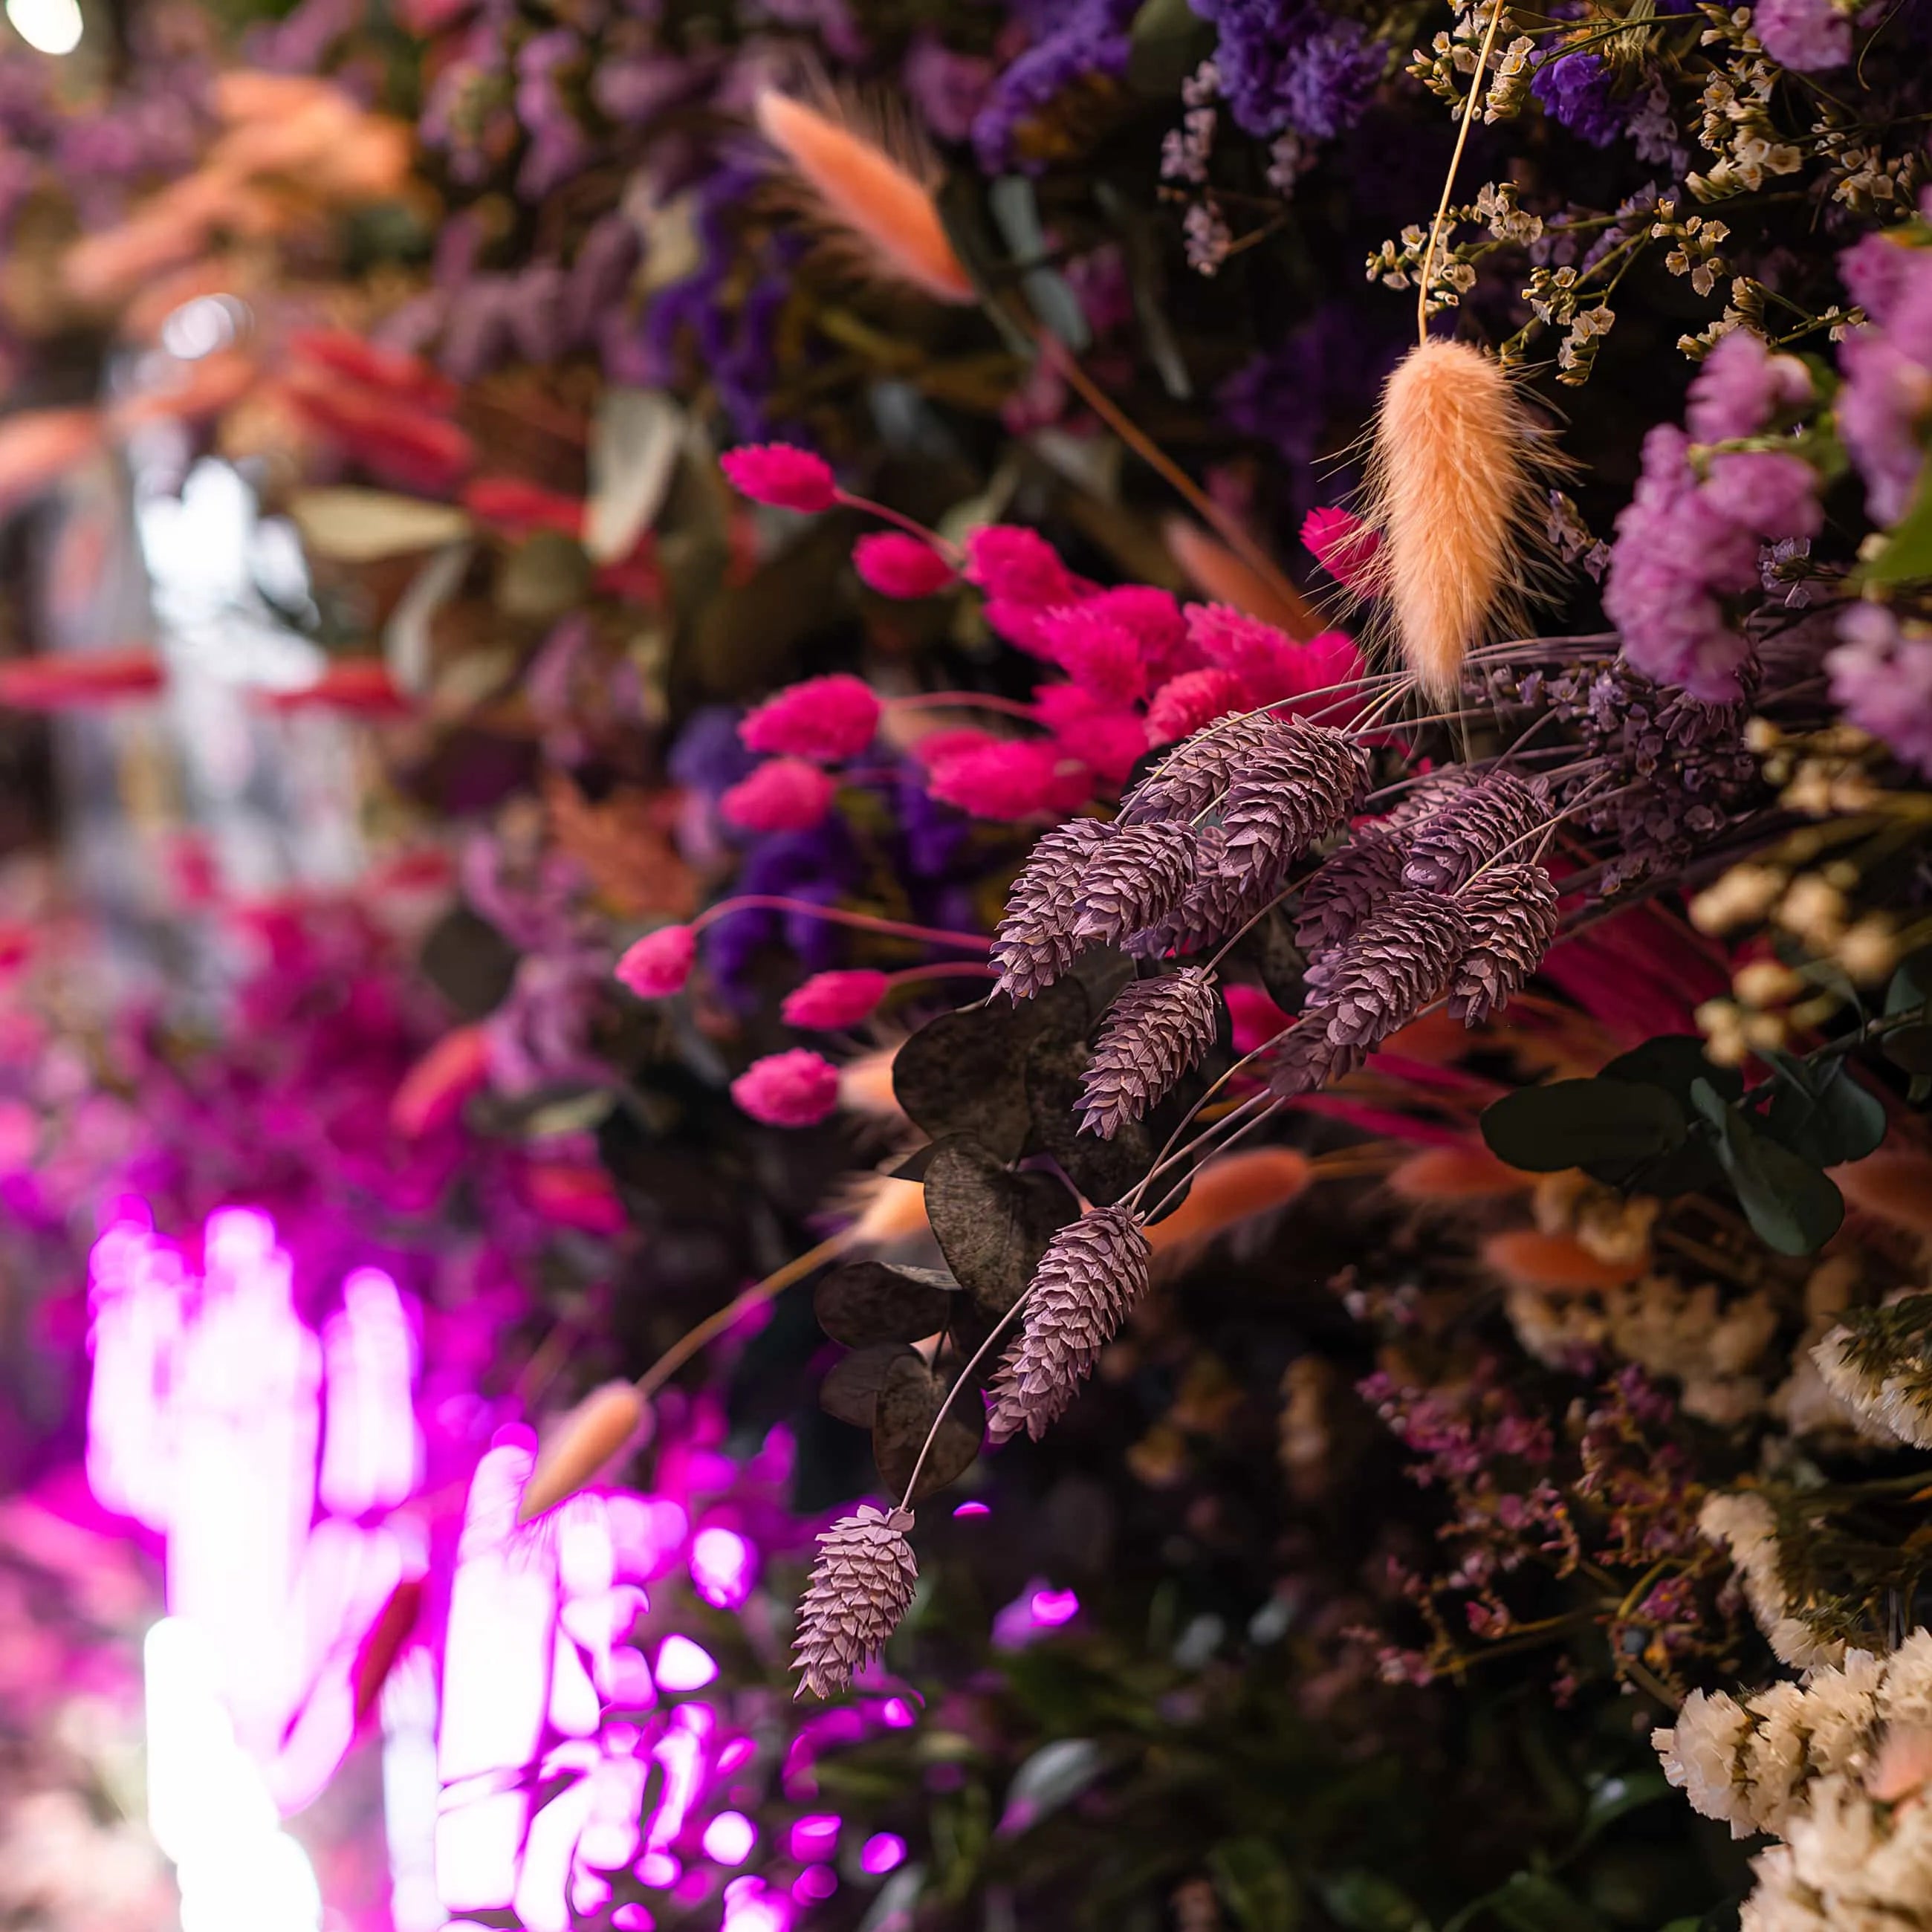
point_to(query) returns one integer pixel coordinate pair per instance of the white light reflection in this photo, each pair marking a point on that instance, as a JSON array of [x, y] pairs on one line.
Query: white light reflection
[[47, 26]]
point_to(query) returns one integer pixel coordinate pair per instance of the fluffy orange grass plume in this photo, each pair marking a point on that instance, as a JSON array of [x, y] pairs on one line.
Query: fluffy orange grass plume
[[1454, 491], [1893, 1187], [588, 1439], [872, 188], [1230, 1190], [1526, 1258], [1219, 574], [865, 1085], [1455, 1174], [384, 1644]]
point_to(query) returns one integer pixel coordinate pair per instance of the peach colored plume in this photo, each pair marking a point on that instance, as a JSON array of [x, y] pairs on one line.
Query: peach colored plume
[[1229, 1190], [1223, 577], [1452, 480], [1894, 1187], [434, 1089], [587, 1440], [1455, 1174], [877, 206], [1525, 1258]]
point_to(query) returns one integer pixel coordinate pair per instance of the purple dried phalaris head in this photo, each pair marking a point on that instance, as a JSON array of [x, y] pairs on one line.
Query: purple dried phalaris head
[[1093, 1272], [1034, 943], [1475, 824], [1511, 911], [860, 1587], [1156, 1029], [1347, 888], [1302, 783], [1196, 772], [1137, 877]]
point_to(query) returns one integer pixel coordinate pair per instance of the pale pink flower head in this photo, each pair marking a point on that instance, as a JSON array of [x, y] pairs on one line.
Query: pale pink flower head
[[782, 795], [1018, 566], [782, 475], [797, 1089], [1098, 652], [1184, 704], [659, 964], [1011, 779], [827, 718], [896, 565], [827, 1000], [1341, 544]]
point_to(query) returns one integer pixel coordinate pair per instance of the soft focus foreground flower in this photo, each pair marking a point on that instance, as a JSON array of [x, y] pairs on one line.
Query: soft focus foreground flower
[[828, 719], [782, 795], [896, 565], [828, 1000], [795, 1089], [1341, 543], [1813, 36], [782, 475], [1881, 682], [657, 965]]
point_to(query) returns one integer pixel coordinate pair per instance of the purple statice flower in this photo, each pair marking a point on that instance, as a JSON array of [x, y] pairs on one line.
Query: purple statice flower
[[1685, 544], [1286, 66], [948, 89], [1876, 270], [1810, 35], [1885, 402], [1576, 89], [1882, 681], [1084, 41], [558, 146]]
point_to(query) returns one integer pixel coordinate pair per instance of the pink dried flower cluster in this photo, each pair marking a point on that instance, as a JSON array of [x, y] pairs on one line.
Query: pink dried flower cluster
[[794, 1089]]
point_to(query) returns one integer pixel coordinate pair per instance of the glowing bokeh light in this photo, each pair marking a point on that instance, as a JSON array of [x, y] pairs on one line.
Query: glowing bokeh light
[[1052, 1608], [47, 26], [729, 1838], [683, 1665], [884, 1852], [723, 1567]]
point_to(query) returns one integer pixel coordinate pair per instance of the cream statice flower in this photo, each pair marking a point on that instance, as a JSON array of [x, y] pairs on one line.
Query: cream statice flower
[[1849, 1864], [1878, 1364], [1703, 1757], [1804, 1403], [1742, 1521]]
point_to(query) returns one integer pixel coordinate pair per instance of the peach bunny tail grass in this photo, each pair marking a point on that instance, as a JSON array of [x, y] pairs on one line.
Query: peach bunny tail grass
[[871, 189], [1455, 489], [1226, 1191], [1222, 577], [588, 1439]]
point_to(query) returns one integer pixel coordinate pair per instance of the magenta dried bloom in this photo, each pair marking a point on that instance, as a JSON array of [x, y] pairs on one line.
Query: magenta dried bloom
[[860, 1588], [1094, 1270], [1302, 781], [1156, 1029], [1153, 616], [782, 475], [1018, 566], [1009, 779], [1260, 656], [896, 565], [1033, 944], [657, 965], [1741, 386], [828, 719], [1098, 652], [1184, 704], [797, 1089], [1137, 877], [782, 795], [1110, 740], [1881, 682], [1341, 544], [1511, 911], [1475, 824], [828, 1000]]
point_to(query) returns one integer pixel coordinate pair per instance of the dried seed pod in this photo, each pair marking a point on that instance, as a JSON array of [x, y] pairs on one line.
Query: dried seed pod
[[1034, 944], [860, 1587], [1512, 914], [1156, 1029], [1137, 878], [1472, 825]]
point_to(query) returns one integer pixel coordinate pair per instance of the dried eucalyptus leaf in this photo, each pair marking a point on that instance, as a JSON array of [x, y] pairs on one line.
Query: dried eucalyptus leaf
[[469, 962], [964, 1073], [992, 1225], [866, 1303], [910, 1397], [850, 1391], [546, 576], [1277, 961], [1103, 1170], [1101, 972]]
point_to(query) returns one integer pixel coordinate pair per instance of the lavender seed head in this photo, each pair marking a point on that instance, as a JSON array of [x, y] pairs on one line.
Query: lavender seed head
[[1156, 1029], [860, 1587]]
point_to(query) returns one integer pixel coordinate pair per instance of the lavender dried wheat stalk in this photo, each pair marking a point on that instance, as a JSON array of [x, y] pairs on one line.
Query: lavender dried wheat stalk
[[1512, 914], [1156, 1029], [1474, 825], [1197, 771], [860, 1587], [1303, 782], [1137, 877], [1093, 1272]]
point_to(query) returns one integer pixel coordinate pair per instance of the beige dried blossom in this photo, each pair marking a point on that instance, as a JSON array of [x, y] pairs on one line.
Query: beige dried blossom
[[1740, 897]]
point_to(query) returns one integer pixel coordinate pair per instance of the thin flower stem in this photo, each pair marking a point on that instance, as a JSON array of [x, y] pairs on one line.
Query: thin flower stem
[[964, 701], [860, 921], [911, 525], [774, 1285], [944, 969], [965, 1376], [1476, 85], [1169, 1156], [1172, 1196]]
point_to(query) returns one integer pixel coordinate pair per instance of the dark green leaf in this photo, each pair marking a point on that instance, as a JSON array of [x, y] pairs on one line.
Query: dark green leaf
[[991, 1226], [1821, 1112], [1052, 1775], [965, 1073], [1164, 46], [1909, 1048], [1573, 1123], [865, 1303], [1017, 212], [1907, 555], [1103, 1170], [910, 1397], [1672, 1060], [1910, 987], [851, 1390], [1613, 1798], [1791, 1205], [963, 215], [1366, 1902], [469, 962], [1531, 1902], [1278, 962], [1255, 1883], [1099, 973]]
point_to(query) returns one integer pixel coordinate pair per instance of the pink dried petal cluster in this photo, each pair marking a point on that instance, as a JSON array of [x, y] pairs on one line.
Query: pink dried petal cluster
[[782, 795], [827, 718], [828, 1000], [657, 965], [1016, 565], [1341, 544], [1009, 779], [796, 1089], [896, 565], [1184, 704], [782, 475]]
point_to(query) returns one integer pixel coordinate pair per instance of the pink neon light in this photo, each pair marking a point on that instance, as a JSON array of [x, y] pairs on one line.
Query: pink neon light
[[882, 1854], [749, 1907], [683, 1665], [723, 1567], [814, 1883], [659, 1870], [633, 1918], [816, 1837], [729, 1838], [1053, 1608], [973, 1509], [372, 1450]]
